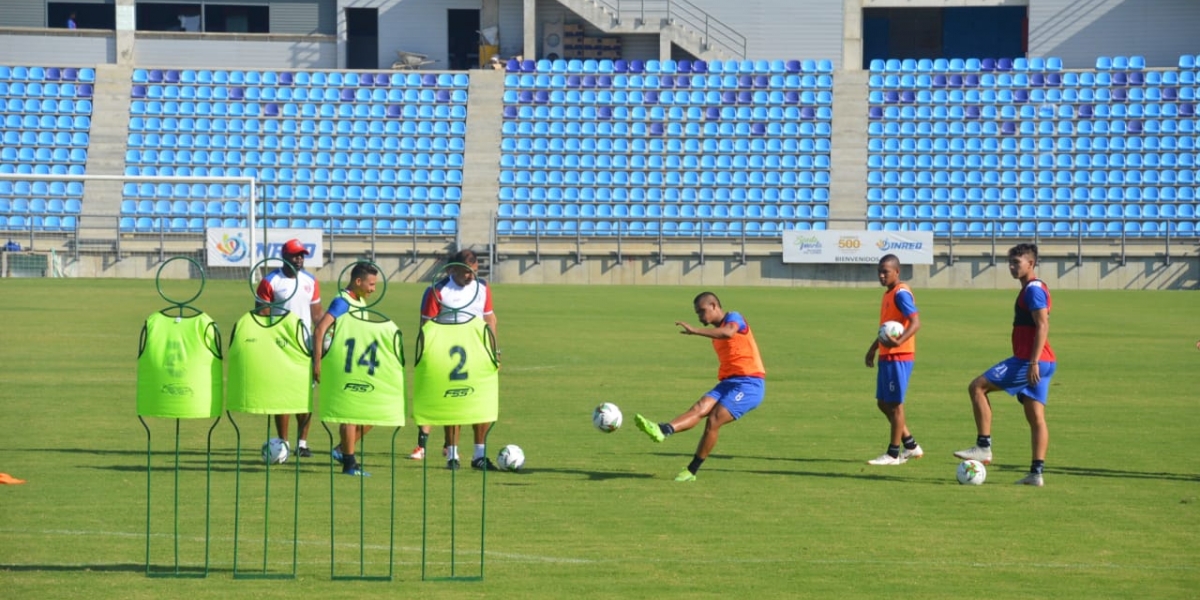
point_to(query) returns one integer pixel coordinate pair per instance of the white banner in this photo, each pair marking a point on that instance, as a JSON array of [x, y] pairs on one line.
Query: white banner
[[854, 246], [230, 247]]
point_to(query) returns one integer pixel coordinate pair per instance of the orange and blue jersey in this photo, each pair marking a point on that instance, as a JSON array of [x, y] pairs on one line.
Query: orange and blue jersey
[[1033, 296], [900, 306], [738, 355]]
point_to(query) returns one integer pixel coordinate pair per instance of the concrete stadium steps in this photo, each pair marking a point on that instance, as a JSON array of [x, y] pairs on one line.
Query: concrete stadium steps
[[106, 156]]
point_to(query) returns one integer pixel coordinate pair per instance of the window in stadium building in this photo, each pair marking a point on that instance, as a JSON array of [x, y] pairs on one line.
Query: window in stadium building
[[236, 18], [84, 15], [168, 17], [948, 32]]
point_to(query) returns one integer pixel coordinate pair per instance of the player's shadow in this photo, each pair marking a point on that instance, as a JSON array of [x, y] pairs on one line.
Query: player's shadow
[[141, 452], [873, 476], [591, 475], [100, 568], [744, 457], [1123, 474]]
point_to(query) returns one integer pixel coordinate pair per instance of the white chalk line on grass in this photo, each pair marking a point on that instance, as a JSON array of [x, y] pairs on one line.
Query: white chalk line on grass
[[534, 558]]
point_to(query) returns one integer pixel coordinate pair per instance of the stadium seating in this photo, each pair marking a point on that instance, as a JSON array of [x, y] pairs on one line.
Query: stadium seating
[[343, 140], [45, 117], [665, 148], [982, 147]]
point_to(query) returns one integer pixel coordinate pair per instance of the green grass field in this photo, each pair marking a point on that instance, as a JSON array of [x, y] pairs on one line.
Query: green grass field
[[786, 507]]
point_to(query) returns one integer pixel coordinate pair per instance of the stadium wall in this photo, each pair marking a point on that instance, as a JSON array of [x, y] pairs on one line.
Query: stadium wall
[[20, 45], [224, 50], [410, 25], [1079, 30]]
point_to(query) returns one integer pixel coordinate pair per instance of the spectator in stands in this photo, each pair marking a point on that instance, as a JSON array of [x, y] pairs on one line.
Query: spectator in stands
[[71, 21], [291, 289], [458, 298]]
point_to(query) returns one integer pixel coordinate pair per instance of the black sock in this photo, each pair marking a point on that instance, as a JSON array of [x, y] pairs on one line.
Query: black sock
[[984, 441], [695, 464], [893, 451], [1037, 466], [666, 428], [349, 462], [909, 442], [422, 439]]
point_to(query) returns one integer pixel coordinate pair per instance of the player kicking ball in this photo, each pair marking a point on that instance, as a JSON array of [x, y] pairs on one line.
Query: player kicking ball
[[740, 389]]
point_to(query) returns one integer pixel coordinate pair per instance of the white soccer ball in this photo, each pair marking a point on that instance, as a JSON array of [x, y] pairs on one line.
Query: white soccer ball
[[511, 458], [891, 330], [275, 451], [971, 472], [607, 417]]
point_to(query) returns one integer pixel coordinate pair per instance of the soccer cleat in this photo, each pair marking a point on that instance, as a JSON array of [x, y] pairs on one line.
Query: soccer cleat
[[483, 463], [886, 459], [336, 453], [650, 428], [1034, 479], [303, 452], [452, 464], [355, 471], [907, 454], [418, 453], [983, 455], [685, 475]]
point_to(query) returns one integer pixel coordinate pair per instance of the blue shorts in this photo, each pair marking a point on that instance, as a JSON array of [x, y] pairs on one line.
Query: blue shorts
[[739, 395], [892, 382], [1012, 376]]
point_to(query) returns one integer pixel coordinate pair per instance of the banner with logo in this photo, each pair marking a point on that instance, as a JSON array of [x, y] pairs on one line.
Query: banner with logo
[[855, 246], [230, 247]]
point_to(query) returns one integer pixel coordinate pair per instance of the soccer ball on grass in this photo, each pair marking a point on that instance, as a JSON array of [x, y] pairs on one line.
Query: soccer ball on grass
[[607, 417], [511, 458], [971, 472], [275, 451]]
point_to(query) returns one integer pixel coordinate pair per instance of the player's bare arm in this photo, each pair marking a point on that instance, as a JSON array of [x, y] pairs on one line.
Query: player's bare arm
[[722, 332]]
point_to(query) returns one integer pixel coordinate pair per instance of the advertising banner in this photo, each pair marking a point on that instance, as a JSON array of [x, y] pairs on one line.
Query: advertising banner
[[856, 246], [230, 247]]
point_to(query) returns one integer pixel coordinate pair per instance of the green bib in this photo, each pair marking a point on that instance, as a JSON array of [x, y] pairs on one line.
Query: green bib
[[179, 368], [270, 368], [457, 378], [362, 373]]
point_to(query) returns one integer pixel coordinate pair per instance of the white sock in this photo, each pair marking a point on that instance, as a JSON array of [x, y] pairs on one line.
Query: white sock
[[480, 451], [303, 443], [452, 452]]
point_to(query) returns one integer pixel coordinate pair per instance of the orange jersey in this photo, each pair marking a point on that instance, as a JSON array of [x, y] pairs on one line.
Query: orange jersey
[[894, 309], [739, 354]]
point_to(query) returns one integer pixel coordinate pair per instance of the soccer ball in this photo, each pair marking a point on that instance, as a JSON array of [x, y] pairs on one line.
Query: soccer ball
[[971, 472], [275, 451], [607, 417], [890, 330], [511, 458]]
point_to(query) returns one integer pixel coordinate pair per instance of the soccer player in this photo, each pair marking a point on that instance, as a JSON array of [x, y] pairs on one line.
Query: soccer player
[[1027, 374], [300, 294], [740, 389], [457, 298], [895, 362], [363, 278]]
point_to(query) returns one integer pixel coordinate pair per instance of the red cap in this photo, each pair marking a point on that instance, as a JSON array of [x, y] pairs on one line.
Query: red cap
[[292, 247]]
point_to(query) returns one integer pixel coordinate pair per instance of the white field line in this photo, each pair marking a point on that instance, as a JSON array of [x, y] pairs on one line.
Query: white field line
[[533, 558]]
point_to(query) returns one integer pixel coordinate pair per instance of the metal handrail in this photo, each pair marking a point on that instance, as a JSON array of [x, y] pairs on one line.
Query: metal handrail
[[713, 31]]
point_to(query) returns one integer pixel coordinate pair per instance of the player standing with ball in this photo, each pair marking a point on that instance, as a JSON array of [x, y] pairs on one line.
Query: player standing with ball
[[895, 362], [1027, 374]]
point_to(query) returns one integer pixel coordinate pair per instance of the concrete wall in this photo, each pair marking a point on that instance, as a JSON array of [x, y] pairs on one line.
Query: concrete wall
[[57, 47], [410, 25], [1079, 30], [236, 51], [973, 272]]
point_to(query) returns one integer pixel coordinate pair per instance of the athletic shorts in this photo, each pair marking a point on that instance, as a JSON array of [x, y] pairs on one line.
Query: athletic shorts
[[1012, 376], [739, 395], [891, 384]]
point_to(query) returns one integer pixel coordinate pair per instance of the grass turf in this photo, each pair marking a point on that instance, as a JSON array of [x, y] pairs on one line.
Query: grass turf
[[786, 507]]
